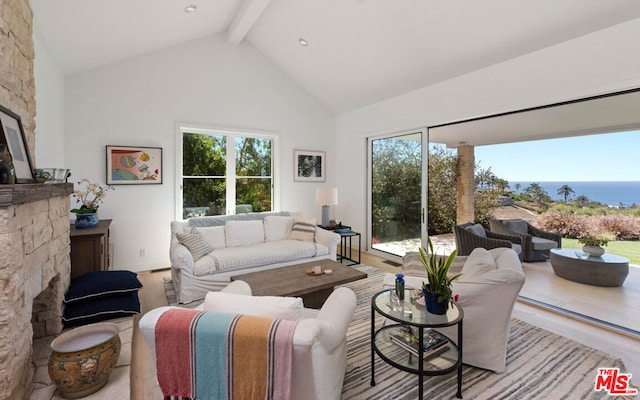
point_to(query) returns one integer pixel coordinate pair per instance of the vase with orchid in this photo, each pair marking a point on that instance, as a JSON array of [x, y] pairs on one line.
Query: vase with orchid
[[89, 197]]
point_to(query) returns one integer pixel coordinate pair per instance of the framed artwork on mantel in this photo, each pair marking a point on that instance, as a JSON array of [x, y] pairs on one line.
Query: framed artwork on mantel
[[130, 165], [12, 135], [309, 166]]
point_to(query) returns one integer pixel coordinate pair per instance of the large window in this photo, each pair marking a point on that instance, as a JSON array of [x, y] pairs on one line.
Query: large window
[[225, 173]]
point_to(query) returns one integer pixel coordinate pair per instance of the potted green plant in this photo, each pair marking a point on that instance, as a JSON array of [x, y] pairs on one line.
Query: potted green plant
[[90, 199], [437, 289], [592, 243]]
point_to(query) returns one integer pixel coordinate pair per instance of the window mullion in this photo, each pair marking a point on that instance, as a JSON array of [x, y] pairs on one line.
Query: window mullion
[[231, 174]]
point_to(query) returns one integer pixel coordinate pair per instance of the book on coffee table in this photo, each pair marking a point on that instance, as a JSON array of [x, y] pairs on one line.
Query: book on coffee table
[[433, 345]]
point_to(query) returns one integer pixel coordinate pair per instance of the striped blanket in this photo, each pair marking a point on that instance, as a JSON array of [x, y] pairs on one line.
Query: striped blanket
[[206, 355]]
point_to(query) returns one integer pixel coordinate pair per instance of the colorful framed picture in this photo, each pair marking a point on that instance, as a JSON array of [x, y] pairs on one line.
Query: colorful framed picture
[[130, 165], [12, 135], [309, 166]]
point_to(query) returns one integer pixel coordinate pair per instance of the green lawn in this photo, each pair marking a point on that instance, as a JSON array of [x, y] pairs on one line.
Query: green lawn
[[628, 249]]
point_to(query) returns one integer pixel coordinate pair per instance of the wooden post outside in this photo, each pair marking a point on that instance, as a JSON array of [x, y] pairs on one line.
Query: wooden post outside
[[465, 185]]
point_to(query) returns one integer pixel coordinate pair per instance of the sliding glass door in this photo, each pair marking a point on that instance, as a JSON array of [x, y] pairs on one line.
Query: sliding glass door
[[397, 192]]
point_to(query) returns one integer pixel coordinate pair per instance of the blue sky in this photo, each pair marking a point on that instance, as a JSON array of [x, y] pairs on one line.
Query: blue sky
[[607, 157]]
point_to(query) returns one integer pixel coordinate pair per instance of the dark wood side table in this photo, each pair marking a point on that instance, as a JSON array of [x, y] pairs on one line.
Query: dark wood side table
[[89, 248]]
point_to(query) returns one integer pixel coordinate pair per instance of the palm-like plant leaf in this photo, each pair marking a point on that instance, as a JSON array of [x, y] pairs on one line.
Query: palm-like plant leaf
[[437, 269]]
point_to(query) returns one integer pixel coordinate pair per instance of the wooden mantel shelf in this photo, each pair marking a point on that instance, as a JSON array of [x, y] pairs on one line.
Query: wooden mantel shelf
[[23, 193]]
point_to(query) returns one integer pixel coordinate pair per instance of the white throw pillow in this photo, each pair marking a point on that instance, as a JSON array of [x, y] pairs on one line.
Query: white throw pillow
[[214, 235], [290, 308], [303, 229], [478, 262], [277, 227], [244, 233]]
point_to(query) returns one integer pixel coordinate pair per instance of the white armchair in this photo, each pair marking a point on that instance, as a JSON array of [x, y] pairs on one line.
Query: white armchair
[[319, 343], [487, 292]]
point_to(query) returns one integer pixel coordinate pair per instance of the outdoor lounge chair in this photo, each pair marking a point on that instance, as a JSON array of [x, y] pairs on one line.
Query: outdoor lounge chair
[[469, 236], [536, 243]]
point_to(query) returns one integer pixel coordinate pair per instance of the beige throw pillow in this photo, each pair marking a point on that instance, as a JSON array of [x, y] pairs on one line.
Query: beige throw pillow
[[196, 243], [303, 229]]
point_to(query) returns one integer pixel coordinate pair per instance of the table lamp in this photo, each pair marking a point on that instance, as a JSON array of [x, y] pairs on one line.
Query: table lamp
[[326, 197]]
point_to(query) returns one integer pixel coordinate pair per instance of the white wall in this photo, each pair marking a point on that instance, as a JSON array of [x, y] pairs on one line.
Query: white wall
[[208, 82], [49, 80], [601, 62]]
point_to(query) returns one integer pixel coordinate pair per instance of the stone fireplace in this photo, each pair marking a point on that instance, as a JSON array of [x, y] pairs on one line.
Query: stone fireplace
[[34, 275], [34, 222]]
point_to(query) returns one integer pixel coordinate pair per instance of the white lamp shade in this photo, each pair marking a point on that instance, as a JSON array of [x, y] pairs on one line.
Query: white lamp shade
[[327, 197]]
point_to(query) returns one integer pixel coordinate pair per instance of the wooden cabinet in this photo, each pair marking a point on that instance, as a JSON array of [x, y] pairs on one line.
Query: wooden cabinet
[[90, 248]]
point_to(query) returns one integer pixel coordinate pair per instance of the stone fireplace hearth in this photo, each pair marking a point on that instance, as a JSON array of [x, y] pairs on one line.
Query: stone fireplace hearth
[[34, 276]]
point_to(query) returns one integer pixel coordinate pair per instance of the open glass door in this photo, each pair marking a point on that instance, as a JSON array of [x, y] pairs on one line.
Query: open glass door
[[397, 192]]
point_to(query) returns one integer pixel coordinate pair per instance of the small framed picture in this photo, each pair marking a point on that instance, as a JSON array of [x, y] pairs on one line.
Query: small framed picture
[[13, 136], [309, 166], [130, 165]]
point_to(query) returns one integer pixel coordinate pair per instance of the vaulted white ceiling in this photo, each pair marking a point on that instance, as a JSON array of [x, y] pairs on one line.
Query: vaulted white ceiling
[[359, 51]]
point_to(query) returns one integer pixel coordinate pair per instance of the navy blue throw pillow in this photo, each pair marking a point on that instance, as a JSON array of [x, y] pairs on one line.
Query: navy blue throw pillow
[[100, 309], [101, 284]]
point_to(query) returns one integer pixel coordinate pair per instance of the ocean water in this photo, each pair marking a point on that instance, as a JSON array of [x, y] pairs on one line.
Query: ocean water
[[611, 193]]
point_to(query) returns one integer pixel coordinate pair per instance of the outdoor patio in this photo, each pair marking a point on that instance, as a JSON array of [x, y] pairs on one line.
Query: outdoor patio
[[613, 308]]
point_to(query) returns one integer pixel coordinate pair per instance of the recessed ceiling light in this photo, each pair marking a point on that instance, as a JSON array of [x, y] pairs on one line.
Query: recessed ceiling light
[[303, 42], [191, 8]]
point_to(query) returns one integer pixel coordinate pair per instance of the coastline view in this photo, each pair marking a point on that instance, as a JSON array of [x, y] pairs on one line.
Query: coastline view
[[579, 186], [584, 187], [611, 193]]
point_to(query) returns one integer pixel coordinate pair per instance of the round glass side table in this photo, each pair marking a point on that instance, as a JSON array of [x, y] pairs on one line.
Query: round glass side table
[[409, 315]]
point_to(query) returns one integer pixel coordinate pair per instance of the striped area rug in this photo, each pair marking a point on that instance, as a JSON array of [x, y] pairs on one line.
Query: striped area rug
[[540, 364]]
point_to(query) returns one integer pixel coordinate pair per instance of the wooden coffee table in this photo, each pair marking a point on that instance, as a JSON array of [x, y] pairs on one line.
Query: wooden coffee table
[[293, 281]]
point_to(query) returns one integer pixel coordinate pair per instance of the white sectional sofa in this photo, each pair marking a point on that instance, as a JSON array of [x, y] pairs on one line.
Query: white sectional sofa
[[239, 244]]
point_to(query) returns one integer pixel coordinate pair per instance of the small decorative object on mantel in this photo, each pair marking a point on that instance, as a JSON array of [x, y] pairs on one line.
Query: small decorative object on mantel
[[437, 289], [592, 243], [90, 199], [7, 171]]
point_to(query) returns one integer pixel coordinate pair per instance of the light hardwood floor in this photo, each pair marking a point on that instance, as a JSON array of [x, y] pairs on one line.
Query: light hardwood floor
[[541, 284]]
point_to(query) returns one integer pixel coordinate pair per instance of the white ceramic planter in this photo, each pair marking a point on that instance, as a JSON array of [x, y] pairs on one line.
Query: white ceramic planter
[[593, 251]]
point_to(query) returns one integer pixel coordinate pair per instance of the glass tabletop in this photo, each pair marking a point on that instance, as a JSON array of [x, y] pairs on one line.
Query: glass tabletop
[[409, 311]]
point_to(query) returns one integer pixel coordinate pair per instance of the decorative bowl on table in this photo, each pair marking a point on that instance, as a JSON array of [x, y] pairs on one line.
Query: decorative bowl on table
[[83, 358], [313, 272]]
